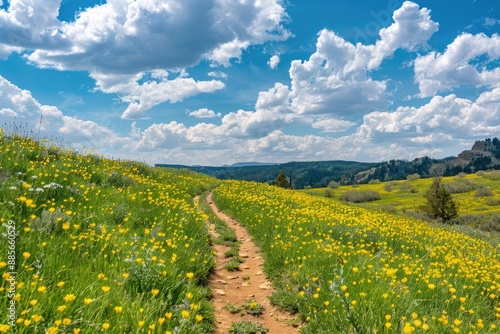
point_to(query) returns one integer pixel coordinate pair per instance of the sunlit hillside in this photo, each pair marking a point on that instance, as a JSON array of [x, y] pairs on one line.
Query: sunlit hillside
[[474, 193], [92, 245], [353, 270]]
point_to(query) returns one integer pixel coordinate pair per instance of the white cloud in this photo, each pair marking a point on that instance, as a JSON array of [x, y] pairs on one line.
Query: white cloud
[[115, 37], [412, 28], [30, 24], [122, 40], [273, 62], [407, 132], [490, 22], [217, 74], [438, 123], [337, 80], [438, 72], [8, 112], [143, 96], [19, 107], [333, 125], [204, 113]]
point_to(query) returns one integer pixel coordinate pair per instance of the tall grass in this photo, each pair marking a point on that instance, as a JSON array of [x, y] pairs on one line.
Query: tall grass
[[101, 245]]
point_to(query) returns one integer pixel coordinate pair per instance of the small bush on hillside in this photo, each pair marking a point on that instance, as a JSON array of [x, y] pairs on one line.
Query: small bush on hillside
[[460, 175], [388, 186], [333, 185], [413, 177], [360, 196], [408, 187], [328, 192], [375, 181], [488, 222], [493, 175], [484, 192], [118, 180], [493, 201], [461, 186]]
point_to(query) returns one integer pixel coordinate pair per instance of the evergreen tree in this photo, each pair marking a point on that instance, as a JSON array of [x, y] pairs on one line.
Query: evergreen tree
[[281, 180], [439, 203]]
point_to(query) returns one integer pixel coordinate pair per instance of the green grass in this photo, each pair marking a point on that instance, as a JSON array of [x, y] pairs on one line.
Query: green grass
[[226, 236], [346, 269], [101, 245], [119, 247], [401, 198]]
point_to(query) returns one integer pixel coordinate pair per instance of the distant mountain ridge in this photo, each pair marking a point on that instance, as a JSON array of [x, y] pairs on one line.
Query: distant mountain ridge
[[248, 164], [484, 155]]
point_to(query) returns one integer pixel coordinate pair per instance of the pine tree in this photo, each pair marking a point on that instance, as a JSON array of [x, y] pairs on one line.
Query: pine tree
[[281, 180], [439, 203]]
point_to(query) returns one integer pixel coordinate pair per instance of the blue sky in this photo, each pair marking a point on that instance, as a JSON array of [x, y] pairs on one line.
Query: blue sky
[[216, 82]]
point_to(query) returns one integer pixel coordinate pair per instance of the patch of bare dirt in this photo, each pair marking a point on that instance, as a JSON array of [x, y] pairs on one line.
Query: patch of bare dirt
[[248, 283]]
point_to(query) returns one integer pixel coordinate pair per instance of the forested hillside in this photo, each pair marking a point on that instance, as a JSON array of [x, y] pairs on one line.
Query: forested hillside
[[484, 155]]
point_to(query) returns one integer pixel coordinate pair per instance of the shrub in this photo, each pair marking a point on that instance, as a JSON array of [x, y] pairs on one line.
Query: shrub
[[360, 196], [247, 327], [118, 180], [328, 192], [483, 192], [413, 177], [407, 187], [460, 175], [388, 186], [461, 186], [485, 222], [374, 181], [333, 185], [493, 175], [493, 201]]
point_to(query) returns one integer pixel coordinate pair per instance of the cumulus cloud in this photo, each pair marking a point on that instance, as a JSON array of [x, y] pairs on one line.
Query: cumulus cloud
[[217, 74], [337, 80], [30, 24], [143, 96], [204, 113], [443, 120], [411, 29], [113, 41], [115, 37], [273, 62], [457, 66], [407, 132], [333, 125], [19, 107]]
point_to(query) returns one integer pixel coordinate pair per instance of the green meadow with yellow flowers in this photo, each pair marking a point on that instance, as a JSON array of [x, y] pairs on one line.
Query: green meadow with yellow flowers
[[100, 245], [91, 245]]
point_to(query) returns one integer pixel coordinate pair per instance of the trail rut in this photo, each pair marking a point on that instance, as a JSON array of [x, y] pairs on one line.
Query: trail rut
[[248, 283]]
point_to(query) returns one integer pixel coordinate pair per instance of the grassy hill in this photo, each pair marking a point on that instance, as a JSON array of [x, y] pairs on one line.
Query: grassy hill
[[347, 269], [91, 245], [477, 195], [99, 246]]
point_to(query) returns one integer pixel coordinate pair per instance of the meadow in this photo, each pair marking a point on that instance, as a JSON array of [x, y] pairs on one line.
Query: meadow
[[407, 195], [477, 196], [100, 245], [346, 269], [92, 245]]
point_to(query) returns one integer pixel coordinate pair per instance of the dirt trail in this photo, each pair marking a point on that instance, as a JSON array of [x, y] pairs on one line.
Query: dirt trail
[[249, 282]]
